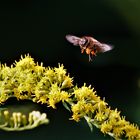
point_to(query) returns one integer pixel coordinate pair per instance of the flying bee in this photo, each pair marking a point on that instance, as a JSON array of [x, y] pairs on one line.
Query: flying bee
[[88, 44]]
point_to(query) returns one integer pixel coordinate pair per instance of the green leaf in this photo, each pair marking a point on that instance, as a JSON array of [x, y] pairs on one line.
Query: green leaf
[[66, 106], [90, 125]]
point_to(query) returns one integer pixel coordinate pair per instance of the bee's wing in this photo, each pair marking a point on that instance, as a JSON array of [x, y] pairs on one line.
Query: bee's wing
[[104, 47], [75, 40]]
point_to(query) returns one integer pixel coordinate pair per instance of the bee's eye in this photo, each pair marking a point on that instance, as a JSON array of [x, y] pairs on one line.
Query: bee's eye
[[85, 43]]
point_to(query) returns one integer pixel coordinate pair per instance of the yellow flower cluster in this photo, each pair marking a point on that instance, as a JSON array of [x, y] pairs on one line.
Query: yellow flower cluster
[[96, 112], [28, 80]]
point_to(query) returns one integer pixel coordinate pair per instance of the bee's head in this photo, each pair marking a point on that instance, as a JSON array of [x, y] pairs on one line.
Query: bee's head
[[84, 42]]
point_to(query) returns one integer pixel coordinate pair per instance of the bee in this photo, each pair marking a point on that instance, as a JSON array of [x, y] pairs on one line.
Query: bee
[[89, 44]]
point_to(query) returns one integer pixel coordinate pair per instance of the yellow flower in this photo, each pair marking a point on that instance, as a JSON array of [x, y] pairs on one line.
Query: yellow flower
[[82, 108], [67, 82], [49, 73], [100, 106], [132, 132], [75, 117], [106, 127], [86, 93], [100, 116], [60, 71], [25, 63], [64, 96], [39, 68], [52, 103], [42, 99]]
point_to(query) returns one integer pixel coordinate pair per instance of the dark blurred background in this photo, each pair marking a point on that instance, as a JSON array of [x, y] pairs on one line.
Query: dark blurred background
[[39, 28]]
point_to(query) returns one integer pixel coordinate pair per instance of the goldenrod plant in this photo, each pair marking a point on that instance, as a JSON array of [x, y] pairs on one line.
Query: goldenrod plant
[[27, 80]]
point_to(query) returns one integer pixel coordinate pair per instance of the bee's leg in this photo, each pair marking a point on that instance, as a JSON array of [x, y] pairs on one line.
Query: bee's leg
[[90, 57], [82, 50], [93, 53]]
